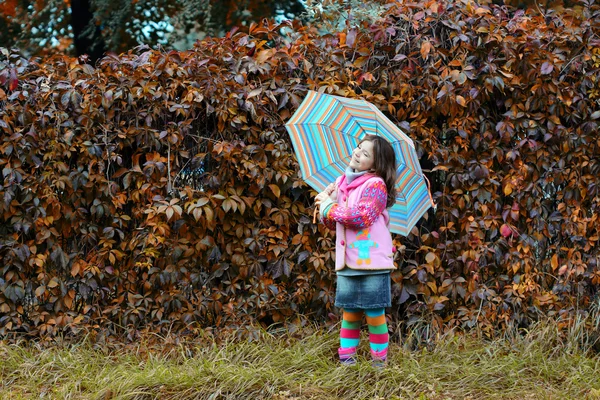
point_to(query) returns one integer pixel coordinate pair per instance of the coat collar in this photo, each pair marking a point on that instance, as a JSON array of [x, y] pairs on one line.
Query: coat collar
[[344, 186]]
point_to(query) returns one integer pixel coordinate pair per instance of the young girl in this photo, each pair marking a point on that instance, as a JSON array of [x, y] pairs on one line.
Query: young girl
[[356, 207]]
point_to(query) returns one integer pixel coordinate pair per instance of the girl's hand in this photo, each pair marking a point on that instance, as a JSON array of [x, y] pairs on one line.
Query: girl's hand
[[334, 194], [325, 193], [320, 197]]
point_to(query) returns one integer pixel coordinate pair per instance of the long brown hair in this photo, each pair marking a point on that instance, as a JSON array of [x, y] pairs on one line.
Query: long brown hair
[[384, 164]]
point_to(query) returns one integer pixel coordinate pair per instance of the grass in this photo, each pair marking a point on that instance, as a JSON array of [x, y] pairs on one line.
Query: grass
[[538, 365]]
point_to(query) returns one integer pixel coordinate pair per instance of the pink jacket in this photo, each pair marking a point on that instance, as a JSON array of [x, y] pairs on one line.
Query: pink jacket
[[363, 240]]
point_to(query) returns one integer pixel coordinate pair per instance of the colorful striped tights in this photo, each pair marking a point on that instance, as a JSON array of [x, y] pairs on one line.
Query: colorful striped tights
[[350, 335]]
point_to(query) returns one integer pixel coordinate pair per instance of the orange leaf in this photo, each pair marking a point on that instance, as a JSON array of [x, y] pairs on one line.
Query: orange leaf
[[425, 49], [264, 55], [75, 269], [276, 190], [9, 8]]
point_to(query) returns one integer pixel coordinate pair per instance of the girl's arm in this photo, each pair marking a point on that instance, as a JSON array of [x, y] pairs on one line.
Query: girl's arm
[[364, 213], [324, 200], [324, 208], [329, 223]]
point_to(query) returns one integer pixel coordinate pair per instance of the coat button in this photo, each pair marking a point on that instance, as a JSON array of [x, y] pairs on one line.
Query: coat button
[[342, 243]]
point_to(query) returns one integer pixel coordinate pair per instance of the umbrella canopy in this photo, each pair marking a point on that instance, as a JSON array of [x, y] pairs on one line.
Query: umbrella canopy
[[324, 131]]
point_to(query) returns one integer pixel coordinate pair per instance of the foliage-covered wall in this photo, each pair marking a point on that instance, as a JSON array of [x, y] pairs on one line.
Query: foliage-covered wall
[[159, 190]]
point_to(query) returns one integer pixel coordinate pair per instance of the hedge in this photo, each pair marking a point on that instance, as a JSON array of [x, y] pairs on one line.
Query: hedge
[[158, 190]]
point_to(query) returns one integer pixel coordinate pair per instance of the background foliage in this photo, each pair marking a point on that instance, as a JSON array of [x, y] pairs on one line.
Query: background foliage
[[159, 190], [93, 27]]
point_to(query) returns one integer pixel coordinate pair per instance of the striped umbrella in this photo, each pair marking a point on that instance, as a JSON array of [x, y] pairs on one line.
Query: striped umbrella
[[324, 131]]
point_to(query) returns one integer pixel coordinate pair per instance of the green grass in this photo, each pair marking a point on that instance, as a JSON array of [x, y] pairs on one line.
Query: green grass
[[539, 365]]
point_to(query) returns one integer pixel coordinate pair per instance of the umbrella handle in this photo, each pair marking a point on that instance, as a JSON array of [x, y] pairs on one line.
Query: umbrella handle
[[429, 192], [315, 215]]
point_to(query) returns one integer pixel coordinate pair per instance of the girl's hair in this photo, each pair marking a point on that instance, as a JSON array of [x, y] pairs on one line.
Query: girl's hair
[[384, 164]]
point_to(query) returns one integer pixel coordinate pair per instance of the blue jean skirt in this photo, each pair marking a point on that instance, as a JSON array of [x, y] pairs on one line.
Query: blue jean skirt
[[363, 291]]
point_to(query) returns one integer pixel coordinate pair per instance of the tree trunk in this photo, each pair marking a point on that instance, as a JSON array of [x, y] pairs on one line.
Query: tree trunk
[[87, 35]]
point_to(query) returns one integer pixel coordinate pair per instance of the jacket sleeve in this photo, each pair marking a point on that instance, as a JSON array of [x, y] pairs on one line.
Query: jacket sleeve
[[371, 204], [324, 208]]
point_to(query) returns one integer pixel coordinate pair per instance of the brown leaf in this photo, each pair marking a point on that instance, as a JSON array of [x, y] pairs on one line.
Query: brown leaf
[[275, 189], [554, 262], [430, 258], [425, 49]]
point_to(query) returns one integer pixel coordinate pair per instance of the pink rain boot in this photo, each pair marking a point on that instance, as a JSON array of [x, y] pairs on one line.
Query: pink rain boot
[[379, 358], [347, 356]]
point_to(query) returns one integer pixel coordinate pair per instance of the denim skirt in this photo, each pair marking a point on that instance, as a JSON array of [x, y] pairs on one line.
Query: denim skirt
[[363, 291]]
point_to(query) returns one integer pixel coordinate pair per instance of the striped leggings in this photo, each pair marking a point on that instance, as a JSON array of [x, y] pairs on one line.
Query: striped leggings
[[350, 332]]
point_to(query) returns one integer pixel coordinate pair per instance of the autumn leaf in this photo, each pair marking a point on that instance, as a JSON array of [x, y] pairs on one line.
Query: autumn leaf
[[264, 55], [425, 49], [505, 230], [40, 291], [554, 262], [13, 82], [430, 258], [547, 68], [563, 270], [275, 189], [351, 37]]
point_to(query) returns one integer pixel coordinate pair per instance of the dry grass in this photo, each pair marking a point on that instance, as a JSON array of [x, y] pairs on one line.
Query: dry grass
[[539, 365]]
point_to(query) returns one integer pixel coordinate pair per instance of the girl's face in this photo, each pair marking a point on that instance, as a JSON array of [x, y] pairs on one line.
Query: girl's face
[[362, 157]]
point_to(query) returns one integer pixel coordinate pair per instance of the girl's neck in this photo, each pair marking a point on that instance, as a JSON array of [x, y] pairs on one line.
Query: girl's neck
[[352, 174]]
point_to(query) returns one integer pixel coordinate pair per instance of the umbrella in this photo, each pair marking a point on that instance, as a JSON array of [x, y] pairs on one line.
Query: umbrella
[[325, 129]]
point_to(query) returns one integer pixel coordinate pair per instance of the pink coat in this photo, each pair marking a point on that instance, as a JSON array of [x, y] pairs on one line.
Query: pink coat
[[363, 240]]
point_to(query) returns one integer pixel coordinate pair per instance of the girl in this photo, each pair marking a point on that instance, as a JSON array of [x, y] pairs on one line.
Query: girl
[[356, 207]]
